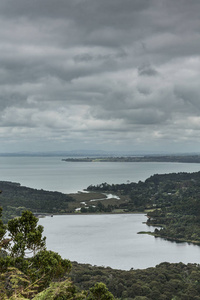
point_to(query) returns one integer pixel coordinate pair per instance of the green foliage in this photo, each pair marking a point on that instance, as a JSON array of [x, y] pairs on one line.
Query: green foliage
[[15, 285], [25, 235], [15, 198], [163, 282], [36, 277], [27, 277], [171, 200], [48, 265], [61, 291], [100, 292]]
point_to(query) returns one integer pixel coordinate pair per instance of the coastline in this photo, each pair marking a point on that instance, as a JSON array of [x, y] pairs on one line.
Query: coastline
[[145, 158]]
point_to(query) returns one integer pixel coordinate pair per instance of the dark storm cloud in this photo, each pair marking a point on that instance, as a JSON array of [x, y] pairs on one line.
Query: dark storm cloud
[[147, 70], [99, 72]]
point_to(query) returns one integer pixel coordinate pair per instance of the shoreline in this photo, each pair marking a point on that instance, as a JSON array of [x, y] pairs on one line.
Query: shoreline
[[144, 158], [87, 214]]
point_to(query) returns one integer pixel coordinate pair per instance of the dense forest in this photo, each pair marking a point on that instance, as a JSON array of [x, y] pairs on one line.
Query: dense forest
[[171, 201], [164, 282], [16, 198]]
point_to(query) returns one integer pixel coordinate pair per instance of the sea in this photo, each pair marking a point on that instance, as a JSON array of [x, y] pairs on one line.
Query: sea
[[102, 240], [53, 174]]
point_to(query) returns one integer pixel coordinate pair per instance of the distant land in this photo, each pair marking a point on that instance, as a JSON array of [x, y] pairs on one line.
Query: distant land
[[153, 158], [93, 153]]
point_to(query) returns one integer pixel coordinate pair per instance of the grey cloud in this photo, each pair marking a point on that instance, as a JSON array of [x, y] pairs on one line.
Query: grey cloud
[[147, 70], [190, 96], [88, 57], [61, 8], [88, 69]]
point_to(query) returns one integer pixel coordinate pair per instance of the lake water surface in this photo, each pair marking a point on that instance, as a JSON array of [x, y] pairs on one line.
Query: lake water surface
[[112, 240]]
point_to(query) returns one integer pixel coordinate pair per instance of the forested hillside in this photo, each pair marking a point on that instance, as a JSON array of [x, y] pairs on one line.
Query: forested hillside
[[164, 282], [16, 198], [171, 201]]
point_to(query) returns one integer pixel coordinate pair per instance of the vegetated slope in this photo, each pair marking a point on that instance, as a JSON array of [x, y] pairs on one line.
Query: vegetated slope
[[170, 200], [164, 282], [15, 198]]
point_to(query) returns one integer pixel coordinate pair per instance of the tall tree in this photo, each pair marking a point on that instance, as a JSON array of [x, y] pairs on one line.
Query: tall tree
[[26, 236]]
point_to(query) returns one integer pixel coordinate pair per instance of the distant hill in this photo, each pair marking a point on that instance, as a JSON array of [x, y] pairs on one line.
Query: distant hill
[[94, 153]]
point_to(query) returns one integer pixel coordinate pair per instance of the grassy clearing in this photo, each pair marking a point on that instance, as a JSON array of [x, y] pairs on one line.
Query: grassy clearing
[[84, 200]]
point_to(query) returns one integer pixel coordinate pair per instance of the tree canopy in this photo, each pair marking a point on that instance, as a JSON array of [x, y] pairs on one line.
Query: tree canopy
[[38, 276], [25, 235]]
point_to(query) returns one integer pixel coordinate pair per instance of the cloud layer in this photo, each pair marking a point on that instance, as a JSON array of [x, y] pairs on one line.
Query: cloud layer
[[107, 74]]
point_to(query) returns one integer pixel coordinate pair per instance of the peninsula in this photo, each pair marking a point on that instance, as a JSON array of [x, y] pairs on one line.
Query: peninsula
[[146, 158]]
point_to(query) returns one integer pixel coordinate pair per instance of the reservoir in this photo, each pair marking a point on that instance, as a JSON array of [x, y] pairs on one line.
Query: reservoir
[[112, 240]]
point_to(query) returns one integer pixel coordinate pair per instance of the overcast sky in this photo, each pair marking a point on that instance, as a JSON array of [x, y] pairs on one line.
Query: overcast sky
[[100, 74]]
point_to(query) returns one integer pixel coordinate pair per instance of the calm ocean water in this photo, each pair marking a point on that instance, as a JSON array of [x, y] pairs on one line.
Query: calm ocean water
[[108, 240], [51, 173]]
